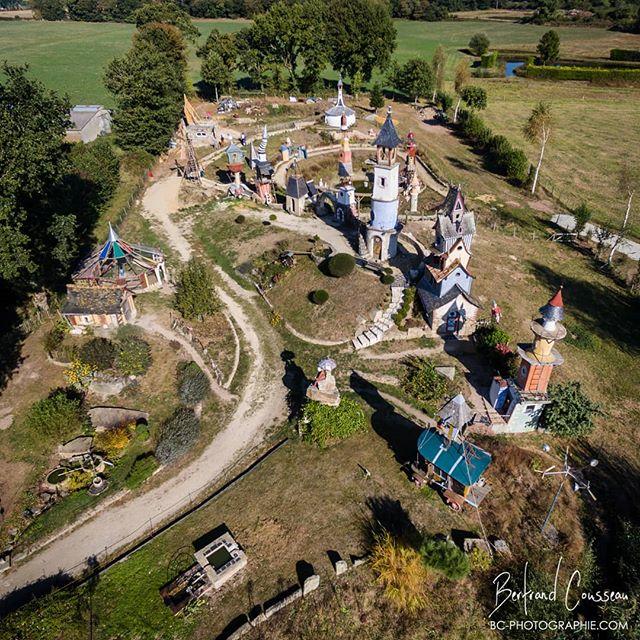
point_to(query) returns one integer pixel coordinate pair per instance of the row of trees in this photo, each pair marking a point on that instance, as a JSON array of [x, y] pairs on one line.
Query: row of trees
[[301, 38]]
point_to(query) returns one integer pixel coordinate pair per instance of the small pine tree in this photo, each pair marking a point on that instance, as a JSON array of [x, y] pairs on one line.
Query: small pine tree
[[376, 97], [479, 44], [445, 557], [549, 47], [195, 295], [570, 412]]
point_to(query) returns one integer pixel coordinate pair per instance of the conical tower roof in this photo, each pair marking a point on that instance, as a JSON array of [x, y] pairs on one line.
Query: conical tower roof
[[554, 309], [456, 412], [388, 137]]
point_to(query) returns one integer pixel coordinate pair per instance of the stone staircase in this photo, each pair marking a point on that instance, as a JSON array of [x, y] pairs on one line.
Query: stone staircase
[[383, 320]]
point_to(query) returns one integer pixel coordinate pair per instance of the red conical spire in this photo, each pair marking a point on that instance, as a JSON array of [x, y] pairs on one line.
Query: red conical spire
[[556, 300]]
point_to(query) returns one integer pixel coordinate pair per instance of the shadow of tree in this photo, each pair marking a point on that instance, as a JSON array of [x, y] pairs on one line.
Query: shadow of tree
[[385, 514], [295, 380], [34, 591]]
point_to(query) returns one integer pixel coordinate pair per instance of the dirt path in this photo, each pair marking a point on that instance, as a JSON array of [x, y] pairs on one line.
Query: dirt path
[[262, 403]]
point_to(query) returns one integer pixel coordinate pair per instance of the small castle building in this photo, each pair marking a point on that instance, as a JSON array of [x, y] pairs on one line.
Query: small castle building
[[520, 402], [299, 194], [340, 116], [453, 221]]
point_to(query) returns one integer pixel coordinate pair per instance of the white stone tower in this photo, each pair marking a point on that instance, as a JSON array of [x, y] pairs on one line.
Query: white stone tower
[[381, 234]]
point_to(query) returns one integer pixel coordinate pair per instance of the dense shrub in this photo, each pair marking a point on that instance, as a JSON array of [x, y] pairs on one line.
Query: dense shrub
[[405, 307], [582, 215], [134, 356], [240, 219], [479, 44], [193, 384], [77, 480], [515, 166], [400, 570], [195, 295], [387, 279], [628, 55], [273, 217], [489, 60], [319, 296], [322, 424], [57, 417], [422, 382], [342, 264], [99, 353], [113, 441], [177, 435], [141, 469], [590, 74], [445, 557], [444, 100], [53, 339], [489, 336], [570, 412]]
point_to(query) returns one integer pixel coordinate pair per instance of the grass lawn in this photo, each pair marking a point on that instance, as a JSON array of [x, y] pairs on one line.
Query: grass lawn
[[70, 57], [593, 135]]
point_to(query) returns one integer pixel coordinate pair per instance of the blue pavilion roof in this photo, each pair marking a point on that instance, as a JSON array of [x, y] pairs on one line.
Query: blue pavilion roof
[[449, 457], [388, 137]]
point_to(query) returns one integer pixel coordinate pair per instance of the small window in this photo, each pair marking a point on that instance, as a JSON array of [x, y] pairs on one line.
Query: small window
[[529, 409], [383, 182]]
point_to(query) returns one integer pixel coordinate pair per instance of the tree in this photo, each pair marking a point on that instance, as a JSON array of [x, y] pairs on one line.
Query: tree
[[224, 44], [581, 214], [538, 130], [216, 73], [627, 183], [195, 295], [549, 47], [360, 36], [37, 235], [474, 97], [98, 168], [148, 84], [193, 384], [166, 12], [461, 78], [438, 65], [291, 35], [414, 78], [570, 412], [49, 9], [376, 98], [479, 44]]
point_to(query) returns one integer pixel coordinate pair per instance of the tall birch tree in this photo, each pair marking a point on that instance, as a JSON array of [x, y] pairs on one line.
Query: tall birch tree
[[538, 130], [460, 80]]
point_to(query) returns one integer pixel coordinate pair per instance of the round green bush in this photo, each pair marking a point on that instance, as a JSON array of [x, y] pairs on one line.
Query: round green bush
[[322, 424], [177, 435], [320, 296], [100, 353], [240, 219], [273, 216], [342, 264], [193, 384], [387, 279]]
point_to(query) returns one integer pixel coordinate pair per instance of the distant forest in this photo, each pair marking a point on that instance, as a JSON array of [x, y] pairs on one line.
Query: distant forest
[[620, 14]]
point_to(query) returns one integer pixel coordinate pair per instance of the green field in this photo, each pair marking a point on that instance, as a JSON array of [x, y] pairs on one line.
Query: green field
[[71, 56]]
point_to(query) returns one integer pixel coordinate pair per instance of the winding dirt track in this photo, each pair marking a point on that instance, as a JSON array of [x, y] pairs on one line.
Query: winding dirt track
[[262, 402]]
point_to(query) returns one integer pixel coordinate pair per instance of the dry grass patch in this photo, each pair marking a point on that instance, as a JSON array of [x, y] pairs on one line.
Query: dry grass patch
[[352, 302]]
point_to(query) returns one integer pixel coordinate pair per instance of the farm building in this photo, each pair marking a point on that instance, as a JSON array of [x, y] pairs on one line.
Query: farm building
[[105, 307], [88, 121]]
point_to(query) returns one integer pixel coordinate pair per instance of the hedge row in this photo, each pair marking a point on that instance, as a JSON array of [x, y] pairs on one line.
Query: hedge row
[[627, 55], [603, 76], [503, 157]]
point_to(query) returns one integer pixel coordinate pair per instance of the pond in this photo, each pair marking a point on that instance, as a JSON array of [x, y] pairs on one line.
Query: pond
[[510, 68]]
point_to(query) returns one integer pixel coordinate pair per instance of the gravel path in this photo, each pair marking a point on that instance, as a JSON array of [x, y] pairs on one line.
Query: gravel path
[[262, 403]]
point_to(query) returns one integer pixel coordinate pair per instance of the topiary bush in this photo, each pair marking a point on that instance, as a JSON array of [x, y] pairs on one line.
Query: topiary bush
[[445, 557], [340, 265], [406, 306], [143, 467], [488, 336], [177, 435], [273, 217], [240, 219], [322, 424], [99, 353], [387, 279], [134, 356], [319, 296], [193, 384]]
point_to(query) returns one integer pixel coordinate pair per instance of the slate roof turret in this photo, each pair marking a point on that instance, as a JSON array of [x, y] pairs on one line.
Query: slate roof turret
[[388, 137]]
